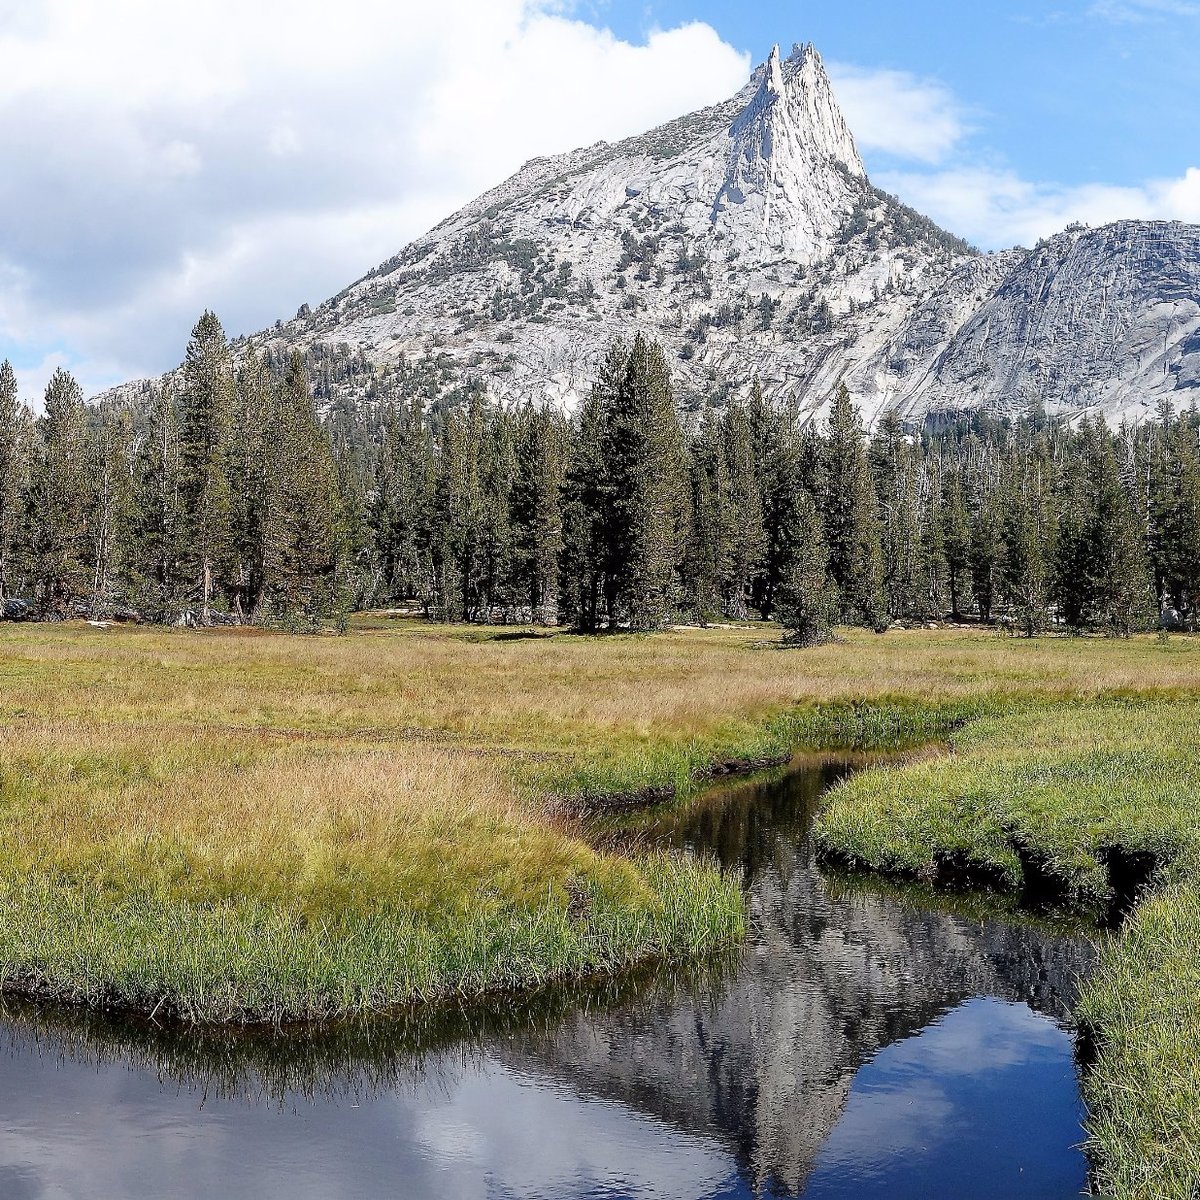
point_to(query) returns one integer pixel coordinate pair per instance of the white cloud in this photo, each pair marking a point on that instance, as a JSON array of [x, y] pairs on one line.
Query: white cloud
[[899, 114], [921, 123], [161, 158], [1134, 11], [995, 207]]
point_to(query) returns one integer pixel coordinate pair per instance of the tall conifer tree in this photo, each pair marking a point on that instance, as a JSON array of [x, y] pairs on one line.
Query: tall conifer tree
[[206, 430], [851, 517], [14, 475], [58, 500]]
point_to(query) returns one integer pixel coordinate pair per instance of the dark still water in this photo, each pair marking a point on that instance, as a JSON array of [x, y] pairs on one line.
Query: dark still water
[[863, 1045]]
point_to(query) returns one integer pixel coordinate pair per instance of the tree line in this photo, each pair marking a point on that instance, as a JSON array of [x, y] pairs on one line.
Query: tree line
[[225, 495], [216, 499]]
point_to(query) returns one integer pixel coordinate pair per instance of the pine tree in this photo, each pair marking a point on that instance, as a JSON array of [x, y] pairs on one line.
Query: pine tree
[[402, 500], [628, 492], [956, 540], [14, 476], [1173, 503], [1072, 569], [251, 464], [986, 552], [58, 501], [538, 510], [589, 525], [742, 515], [713, 584], [206, 406], [1102, 574], [301, 523], [111, 517], [655, 508], [1120, 572], [1027, 533], [933, 542], [851, 517], [153, 565], [471, 561], [497, 477], [779, 470], [452, 520], [905, 574], [354, 580], [807, 602]]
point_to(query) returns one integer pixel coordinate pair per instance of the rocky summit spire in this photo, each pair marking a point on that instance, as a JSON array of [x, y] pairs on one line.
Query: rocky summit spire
[[812, 106], [791, 154]]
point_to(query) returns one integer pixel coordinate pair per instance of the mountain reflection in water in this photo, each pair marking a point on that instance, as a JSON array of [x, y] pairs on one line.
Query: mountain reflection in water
[[865, 1043]]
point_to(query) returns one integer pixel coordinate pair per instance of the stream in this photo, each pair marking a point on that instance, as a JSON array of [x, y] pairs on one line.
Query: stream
[[866, 1042]]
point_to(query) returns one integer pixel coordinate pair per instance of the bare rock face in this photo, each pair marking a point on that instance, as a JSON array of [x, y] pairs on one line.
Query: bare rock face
[[747, 238], [1104, 319]]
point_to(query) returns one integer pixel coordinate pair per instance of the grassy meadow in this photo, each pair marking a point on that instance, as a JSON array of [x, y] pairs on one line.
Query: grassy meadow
[[236, 825], [1084, 804]]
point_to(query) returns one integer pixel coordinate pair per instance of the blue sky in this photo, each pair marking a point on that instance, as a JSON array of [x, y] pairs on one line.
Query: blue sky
[[1071, 92], [253, 155]]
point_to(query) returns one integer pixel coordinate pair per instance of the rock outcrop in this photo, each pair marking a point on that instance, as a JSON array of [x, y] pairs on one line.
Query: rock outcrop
[[748, 239]]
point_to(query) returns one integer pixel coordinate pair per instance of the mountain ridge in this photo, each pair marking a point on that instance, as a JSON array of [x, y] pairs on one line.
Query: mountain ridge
[[748, 239]]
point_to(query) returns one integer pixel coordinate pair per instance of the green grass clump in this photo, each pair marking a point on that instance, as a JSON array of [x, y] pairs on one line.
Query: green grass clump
[[1065, 792], [680, 766], [1065, 785], [246, 959], [1142, 1007]]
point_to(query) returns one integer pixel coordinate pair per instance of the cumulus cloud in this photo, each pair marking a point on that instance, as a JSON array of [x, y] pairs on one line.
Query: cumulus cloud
[[161, 158], [996, 207], [926, 137], [899, 114]]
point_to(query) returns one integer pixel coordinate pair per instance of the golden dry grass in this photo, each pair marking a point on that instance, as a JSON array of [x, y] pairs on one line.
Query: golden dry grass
[[400, 679], [259, 782]]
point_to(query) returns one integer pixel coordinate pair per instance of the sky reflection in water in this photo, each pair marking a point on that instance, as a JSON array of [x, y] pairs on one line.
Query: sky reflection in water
[[865, 1046]]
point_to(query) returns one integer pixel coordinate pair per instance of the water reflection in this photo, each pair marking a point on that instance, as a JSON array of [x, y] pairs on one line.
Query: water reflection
[[739, 1078], [980, 1103]]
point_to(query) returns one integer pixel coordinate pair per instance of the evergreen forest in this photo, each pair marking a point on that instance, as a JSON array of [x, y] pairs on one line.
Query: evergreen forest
[[237, 492]]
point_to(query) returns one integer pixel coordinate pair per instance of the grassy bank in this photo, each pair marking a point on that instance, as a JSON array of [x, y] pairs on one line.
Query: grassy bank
[[236, 825], [1092, 805]]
